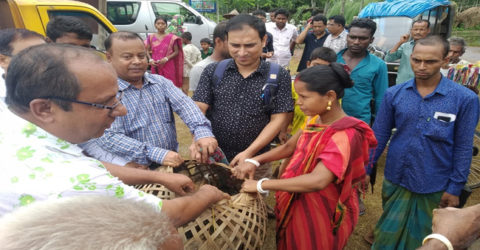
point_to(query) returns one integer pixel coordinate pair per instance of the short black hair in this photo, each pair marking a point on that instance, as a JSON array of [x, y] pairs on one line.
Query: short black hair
[[365, 23], [206, 40], [323, 78], [259, 13], [121, 35], [187, 36], [324, 53], [318, 18], [338, 19], [8, 36], [432, 41], [43, 71], [422, 21], [60, 25], [281, 12], [238, 22], [220, 31]]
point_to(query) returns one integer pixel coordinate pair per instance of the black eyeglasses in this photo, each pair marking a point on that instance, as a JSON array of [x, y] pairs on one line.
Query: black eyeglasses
[[96, 105]]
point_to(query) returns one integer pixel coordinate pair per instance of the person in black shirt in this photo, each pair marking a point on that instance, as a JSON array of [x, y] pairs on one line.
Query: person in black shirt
[[312, 39], [267, 51], [240, 122]]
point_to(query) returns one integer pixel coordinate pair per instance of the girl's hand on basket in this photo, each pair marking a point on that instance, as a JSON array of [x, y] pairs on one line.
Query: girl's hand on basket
[[249, 186], [179, 183], [244, 170]]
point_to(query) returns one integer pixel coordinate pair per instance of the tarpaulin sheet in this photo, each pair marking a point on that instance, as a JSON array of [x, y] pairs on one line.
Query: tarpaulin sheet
[[408, 8]]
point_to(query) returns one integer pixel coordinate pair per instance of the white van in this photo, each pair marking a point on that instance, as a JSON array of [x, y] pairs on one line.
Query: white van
[[138, 16]]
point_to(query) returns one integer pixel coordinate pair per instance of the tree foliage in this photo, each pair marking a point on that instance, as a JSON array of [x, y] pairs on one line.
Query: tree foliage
[[301, 9]]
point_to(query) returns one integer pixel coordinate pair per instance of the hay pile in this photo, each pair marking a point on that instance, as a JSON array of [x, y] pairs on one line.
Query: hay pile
[[468, 18]]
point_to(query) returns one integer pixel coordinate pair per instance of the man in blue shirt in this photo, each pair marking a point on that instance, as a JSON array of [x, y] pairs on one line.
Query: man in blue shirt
[[369, 73], [312, 39], [429, 155]]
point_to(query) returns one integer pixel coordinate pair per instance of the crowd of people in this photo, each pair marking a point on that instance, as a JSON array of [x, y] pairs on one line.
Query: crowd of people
[[83, 123]]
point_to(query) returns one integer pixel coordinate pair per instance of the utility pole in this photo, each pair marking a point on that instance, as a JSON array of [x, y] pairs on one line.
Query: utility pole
[[218, 11]]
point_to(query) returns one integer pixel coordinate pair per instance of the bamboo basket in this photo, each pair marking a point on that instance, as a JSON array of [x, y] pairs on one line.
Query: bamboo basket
[[239, 223]]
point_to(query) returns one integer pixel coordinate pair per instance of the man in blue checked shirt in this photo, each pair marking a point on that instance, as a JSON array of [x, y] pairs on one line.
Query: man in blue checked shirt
[[429, 155], [147, 134]]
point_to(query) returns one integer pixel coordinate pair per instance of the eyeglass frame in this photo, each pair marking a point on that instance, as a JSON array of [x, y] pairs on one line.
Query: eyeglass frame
[[96, 105]]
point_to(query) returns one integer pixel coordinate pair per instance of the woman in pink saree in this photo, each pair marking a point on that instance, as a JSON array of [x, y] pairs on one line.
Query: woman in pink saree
[[166, 53]]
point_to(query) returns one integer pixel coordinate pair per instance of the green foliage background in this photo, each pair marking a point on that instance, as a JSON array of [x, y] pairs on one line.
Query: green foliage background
[[301, 9]]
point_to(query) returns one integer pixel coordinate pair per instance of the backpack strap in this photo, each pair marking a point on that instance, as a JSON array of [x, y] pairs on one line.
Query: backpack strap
[[273, 73], [270, 89], [220, 70]]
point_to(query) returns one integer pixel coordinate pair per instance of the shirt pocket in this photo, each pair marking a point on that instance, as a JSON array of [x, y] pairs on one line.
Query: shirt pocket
[[440, 130], [163, 112]]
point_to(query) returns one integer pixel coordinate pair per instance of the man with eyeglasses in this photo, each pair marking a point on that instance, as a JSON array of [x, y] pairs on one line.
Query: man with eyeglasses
[[68, 98], [12, 41], [147, 134], [337, 40]]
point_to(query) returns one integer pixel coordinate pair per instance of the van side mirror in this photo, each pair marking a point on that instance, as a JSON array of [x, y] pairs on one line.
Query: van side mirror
[[198, 20]]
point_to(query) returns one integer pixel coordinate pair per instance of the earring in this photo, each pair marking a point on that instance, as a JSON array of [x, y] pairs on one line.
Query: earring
[[329, 105]]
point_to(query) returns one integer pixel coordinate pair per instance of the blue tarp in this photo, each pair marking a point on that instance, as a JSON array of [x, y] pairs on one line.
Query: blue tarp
[[408, 8]]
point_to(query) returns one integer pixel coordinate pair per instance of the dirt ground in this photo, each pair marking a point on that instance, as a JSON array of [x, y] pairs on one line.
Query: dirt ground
[[372, 200]]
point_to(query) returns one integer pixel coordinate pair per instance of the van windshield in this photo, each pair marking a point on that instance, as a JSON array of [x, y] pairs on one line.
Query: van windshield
[[171, 9], [389, 31], [122, 12]]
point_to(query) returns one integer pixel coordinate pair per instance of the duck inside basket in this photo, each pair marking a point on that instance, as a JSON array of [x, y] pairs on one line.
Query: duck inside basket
[[238, 223]]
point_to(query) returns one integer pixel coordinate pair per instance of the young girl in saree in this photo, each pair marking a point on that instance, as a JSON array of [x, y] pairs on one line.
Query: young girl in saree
[[317, 203], [166, 54]]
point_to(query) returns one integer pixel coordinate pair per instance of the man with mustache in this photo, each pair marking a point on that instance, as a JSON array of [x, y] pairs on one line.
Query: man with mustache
[[403, 49], [147, 134], [68, 98]]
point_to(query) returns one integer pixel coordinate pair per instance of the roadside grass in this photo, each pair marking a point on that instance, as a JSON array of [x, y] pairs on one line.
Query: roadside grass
[[472, 37]]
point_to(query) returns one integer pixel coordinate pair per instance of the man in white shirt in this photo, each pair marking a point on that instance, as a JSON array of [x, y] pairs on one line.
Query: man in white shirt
[[191, 56], [68, 98], [284, 36], [337, 40], [220, 52]]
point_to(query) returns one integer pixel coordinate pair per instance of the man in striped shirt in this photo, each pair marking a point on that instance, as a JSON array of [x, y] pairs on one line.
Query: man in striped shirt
[[147, 134]]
